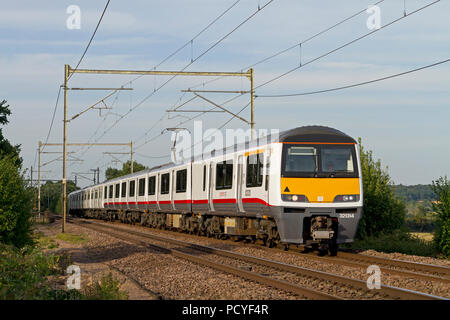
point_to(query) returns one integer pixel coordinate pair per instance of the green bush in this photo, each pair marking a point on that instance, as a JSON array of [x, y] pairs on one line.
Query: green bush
[[396, 241], [15, 204], [107, 289], [441, 188], [383, 212], [23, 273]]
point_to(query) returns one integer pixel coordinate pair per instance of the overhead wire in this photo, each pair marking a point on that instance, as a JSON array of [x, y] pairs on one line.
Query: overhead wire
[[92, 38], [338, 48], [189, 64], [346, 44], [296, 44], [343, 46], [174, 53], [53, 119], [355, 84]]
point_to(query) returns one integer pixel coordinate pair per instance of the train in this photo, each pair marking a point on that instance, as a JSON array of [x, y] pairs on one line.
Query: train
[[302, 187]]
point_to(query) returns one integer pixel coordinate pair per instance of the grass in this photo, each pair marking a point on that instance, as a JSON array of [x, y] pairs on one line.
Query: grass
[[43, 241], [425, 236], [398, 241], [25, 274], [72, 238], [47, 243]]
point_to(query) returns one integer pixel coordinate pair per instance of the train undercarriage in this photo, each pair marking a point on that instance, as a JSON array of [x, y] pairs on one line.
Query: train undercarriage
[[319, 232]]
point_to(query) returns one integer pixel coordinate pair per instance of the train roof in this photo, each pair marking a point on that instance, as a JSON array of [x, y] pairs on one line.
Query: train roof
[[315, 134], [299, 134]]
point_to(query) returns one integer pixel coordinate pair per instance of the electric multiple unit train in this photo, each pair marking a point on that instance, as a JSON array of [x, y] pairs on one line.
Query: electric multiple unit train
[[302, 187]]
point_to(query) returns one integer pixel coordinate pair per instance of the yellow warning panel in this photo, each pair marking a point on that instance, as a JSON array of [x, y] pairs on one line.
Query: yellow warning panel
[[320, 189]]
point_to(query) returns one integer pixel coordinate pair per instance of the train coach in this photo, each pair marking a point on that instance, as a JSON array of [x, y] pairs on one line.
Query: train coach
[[302, 187]]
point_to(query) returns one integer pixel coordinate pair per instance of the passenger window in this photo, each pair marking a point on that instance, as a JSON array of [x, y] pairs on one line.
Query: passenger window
[[132, 187], [181, 183], [110, 191], [124, 189], [141, 187], [165, 180], [151, 185], [224, 175], [117, 190]]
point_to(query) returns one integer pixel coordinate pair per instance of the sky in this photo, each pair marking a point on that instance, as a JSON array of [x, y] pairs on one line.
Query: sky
[[404, 121]]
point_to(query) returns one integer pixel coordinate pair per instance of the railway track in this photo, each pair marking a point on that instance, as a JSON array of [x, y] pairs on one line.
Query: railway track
[[415, 266], [412, 270], [395, 267], [440, 274], [262, 279], [194, 253]]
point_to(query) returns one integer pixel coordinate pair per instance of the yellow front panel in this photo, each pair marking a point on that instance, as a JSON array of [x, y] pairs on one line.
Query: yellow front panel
[[320, 188]]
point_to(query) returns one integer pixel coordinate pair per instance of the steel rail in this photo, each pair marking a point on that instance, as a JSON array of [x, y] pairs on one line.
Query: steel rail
[[278, 284], [388, 290], [397, 263], [358, 264]]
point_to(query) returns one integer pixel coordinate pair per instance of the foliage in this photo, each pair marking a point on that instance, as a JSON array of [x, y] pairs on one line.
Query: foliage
[[396, 241], [107, 289], [112, 173], [6, 149], [51, 195], [414, 193], [420, 216], [382, 210], [442, 207], [25, 275], [23, 272], [15, 204]]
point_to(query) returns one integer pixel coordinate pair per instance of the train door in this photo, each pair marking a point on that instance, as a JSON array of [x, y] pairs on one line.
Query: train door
[[211, 186], [255, 199], [157, 191], [239, 183], [172, 190]]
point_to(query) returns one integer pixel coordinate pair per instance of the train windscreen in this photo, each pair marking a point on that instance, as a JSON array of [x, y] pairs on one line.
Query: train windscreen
[[321, 160]]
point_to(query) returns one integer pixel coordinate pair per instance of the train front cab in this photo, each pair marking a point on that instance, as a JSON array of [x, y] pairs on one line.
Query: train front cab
[[320, 193]]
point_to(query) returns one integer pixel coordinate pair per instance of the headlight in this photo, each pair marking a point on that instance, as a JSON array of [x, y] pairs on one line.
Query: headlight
[[346, 198], [294, 197]]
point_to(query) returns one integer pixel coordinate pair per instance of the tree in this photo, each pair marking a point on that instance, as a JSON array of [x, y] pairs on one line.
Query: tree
[[441, 188], [15, 204], [112, 173], [382, 210], [51, 195], [6, 148]]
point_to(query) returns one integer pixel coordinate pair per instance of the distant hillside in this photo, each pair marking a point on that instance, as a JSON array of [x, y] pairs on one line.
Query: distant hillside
[[414, 193]]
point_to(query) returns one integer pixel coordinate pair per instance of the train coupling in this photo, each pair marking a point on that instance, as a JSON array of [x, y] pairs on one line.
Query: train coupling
[[322, 228]]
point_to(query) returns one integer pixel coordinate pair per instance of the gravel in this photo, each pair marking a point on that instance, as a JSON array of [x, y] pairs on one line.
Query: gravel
[[164, 275], [407, 257], [429, 287]]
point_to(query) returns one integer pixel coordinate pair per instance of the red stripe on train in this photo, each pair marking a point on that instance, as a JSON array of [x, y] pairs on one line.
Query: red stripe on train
[[255, 200], [200, 201], [224, 200], [182, 201]]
